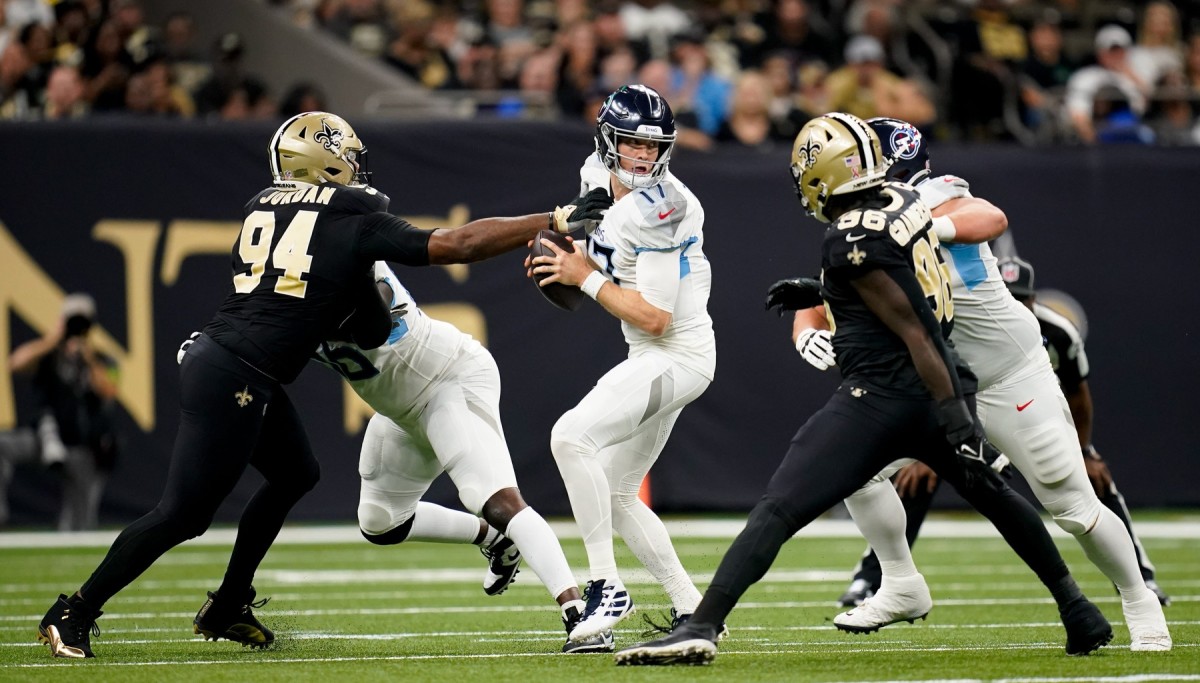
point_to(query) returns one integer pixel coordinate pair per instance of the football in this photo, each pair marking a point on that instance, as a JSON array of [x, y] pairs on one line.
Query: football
[[563, 296]]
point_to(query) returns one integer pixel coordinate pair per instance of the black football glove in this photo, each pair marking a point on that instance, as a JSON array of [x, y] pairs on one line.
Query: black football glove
[[584, 212], [795, 294], [980, 460]]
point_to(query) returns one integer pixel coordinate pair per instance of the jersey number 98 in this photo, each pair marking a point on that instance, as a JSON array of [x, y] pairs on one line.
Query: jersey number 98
[[934, 276]]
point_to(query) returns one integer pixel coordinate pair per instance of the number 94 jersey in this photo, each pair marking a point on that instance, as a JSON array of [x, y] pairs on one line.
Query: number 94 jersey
[[890, 231]]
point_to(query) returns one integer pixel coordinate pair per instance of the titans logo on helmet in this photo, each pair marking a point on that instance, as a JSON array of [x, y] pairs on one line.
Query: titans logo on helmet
[[906, 141]]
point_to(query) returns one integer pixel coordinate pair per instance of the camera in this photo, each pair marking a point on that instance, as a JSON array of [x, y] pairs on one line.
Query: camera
[[78, 325]]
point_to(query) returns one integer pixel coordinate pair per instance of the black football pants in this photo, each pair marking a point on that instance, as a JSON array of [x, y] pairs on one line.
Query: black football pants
[[839, 449], [231, 416]]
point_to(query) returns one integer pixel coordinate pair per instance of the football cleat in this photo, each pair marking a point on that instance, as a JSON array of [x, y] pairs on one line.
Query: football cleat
[[897, 600], [1087, 629], [602, 642], [232, 620], [859, 590], [677, 620], [607, 604], [689, 644], [1147, 626], [68, 627], [504, 561]]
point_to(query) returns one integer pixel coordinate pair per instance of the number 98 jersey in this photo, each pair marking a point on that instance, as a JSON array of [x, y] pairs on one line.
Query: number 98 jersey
[[890, 231]]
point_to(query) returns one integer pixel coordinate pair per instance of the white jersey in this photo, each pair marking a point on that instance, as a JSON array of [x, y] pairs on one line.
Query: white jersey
[[993, 332], [395, 378], [664, 218]]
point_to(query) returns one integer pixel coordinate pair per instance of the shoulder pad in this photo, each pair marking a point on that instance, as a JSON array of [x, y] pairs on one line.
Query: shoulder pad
[[360, 199], [592, 175]]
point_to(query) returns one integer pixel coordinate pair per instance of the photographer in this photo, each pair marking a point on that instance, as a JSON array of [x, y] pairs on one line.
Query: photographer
[[75, 387]]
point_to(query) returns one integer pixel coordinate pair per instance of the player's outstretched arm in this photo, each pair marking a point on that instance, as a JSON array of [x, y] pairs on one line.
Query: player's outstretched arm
[[485, 238], [968, 220], [894, 295]]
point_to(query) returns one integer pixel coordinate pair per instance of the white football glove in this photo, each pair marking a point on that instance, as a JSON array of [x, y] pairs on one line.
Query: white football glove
[[183, 348], [816, 346]]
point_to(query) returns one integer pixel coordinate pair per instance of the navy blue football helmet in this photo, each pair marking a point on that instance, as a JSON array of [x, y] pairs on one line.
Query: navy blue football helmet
[[905, 147], [635, 111]]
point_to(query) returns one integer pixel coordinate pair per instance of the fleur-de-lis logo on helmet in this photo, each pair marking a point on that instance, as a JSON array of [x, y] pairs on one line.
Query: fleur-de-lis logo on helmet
[[330, 138], [806, 155]]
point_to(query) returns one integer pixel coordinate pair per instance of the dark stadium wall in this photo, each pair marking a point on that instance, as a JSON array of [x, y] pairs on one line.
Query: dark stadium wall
[[143, 214]]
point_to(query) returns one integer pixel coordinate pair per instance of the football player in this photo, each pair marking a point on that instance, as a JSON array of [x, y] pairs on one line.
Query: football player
[[301, 264], [645, 265], [887, 296], [1020, 404], [1064, 345], [436, 393]]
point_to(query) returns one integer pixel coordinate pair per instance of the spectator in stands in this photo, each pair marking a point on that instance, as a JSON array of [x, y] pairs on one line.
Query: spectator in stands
[[39, 48], [539, 81], [656, 74], [18, 92], [167, 98], [106, 66], [617, 69], [697, 87], [361, 23], [505, 23], [479, 67], [863, 86], [786, 116], [5, 28], [64, 94], [188, 67], [1111, 71], [1157, 53], [302, 97], [414, 53], [788, 26], [24, 12], [571, 12], [989, 45], [579, 67], [750, 123], [231, 93], [1174, 121], [655, 23], [72, 31], [1191, 64], [1044, 75]]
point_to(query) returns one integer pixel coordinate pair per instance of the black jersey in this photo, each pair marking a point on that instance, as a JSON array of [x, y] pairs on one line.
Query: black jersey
[[890, 231], [294, 264], [1064, 344]]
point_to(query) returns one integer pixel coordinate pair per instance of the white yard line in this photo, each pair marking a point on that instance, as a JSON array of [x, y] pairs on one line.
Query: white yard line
[[1186, 530]]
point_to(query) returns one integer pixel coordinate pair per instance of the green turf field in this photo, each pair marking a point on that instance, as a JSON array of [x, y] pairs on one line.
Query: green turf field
[[349, 611]]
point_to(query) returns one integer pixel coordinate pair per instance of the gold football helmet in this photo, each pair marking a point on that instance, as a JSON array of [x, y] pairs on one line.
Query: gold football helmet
[[318, 147], [835, 154]]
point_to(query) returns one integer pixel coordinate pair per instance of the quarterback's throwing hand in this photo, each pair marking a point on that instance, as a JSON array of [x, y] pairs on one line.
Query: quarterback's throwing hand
[[795, 294]]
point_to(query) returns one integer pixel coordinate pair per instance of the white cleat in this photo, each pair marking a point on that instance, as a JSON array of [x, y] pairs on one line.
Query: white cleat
[[1147, 626], [905, 599], [608, 603]]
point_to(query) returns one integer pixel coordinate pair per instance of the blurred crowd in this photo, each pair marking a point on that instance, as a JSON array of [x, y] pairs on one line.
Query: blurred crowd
[[753, 71], [73, 58], [747, 72]]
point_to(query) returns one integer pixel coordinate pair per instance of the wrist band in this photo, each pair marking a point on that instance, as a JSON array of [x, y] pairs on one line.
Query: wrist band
[[550, 222], [592, 284], [943, 227]]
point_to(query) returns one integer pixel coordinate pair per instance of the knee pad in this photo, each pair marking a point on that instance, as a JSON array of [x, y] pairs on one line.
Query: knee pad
[[373, 517], [1075, 512], [1050, 452]]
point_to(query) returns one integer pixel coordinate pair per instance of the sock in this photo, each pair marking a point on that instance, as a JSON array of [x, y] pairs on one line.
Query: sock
[[880, 518], [541, 551], [438, 524], [588, 490], [1113, 500], [646, 536], [1065, 591], [1109, 547], [746, 561]]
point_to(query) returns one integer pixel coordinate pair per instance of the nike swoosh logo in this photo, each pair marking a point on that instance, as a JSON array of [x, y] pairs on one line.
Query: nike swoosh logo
[[854, 238], [664, 215], [1025, 405]]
